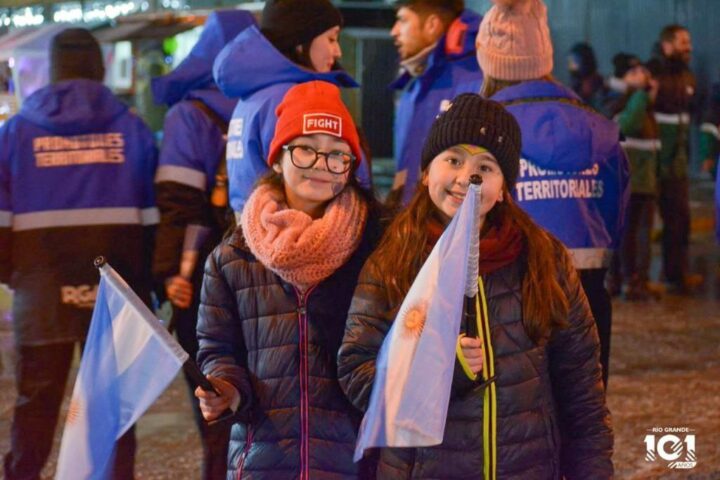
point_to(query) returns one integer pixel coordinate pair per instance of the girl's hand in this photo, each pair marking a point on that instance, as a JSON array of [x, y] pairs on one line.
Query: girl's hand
[[473, 353], [211, 405], [179, 291]]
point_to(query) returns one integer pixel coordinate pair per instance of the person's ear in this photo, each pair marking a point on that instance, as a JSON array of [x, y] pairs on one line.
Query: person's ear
[[277, 168], [667, 48], [424, 178], [434, 26]]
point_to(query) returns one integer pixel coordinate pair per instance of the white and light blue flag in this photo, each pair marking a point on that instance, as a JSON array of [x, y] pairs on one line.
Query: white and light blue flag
[[128, 361], [414, 369]]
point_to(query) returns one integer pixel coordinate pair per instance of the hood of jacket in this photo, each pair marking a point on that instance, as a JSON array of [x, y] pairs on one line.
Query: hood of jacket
[[250, 63], [458, 42], [195, 71], [558, 133], [72, 106]]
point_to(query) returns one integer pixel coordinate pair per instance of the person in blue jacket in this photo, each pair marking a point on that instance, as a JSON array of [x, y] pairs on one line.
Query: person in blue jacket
[[435, 42], [574, 176], [297, 42], [76, 175], [191, 185]]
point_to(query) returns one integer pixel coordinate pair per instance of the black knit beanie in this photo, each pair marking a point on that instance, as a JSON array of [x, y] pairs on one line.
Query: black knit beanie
[[75, 53], [289, 23], [473, 120]]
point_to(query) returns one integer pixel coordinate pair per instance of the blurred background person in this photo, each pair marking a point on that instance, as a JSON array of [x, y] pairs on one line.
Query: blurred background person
[[435, 40], [191, 184], [93, 163]]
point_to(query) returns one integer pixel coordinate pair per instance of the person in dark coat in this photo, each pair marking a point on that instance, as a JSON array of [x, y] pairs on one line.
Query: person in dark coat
[[275, 298], [76, 173], [674, 107], [191, 185], [527, 400]]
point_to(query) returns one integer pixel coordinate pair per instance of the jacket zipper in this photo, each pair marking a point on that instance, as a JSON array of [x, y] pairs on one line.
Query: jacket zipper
[[244, 454], [304, 380]]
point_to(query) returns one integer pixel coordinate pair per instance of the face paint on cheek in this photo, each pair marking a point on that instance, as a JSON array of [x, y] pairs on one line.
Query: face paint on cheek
[[337, 188]]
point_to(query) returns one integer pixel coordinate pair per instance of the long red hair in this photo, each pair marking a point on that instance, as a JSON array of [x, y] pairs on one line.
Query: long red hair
[[402, 252]]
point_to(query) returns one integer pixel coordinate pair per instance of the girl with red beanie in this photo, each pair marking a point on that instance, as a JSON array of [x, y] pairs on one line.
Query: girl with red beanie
[[276, 293], [527, 399]]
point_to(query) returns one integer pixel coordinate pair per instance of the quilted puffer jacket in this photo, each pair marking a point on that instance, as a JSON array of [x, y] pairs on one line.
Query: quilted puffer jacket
[[551, 419], [278, 347]]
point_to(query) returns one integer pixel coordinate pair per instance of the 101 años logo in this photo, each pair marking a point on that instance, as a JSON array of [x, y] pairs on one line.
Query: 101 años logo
[[673, 445]]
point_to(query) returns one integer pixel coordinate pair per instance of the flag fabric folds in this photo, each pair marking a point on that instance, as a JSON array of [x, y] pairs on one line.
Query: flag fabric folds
[[414, 369], [128, 361]]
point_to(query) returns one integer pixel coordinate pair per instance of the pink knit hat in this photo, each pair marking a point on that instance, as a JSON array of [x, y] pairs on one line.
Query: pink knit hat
[[513, 42]]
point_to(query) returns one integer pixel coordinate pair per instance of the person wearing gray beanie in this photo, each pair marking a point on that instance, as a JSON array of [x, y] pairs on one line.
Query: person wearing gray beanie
[[574, 176]]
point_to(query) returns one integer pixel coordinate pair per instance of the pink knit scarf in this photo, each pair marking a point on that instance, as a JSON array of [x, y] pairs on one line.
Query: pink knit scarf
[[302, 251]]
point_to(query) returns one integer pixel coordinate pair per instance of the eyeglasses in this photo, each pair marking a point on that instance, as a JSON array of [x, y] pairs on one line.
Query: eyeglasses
[[304, 156]]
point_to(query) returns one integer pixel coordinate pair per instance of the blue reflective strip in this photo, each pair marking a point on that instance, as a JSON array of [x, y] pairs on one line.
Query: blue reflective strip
[[183, 175], [83, 217]]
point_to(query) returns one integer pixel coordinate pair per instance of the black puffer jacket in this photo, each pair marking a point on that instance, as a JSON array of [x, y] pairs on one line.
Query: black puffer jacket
[[551, 414], [279, 350]]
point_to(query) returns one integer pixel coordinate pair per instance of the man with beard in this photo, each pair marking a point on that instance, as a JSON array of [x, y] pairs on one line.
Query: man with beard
[[672, 112]]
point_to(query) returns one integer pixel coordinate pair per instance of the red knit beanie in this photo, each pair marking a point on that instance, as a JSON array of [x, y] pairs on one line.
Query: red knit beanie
[[313, 107]]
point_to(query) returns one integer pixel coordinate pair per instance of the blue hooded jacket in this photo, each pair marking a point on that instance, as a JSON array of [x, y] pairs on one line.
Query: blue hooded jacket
[[451, 69], [71, 108], [76, 175], [192, 142], [251, 68], [574, 176]]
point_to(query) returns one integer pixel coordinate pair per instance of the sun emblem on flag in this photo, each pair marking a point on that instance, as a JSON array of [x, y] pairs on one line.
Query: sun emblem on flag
[[414, 320], [73, 412]]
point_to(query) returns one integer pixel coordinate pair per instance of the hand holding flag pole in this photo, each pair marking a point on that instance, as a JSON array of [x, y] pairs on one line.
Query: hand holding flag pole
[[129, 359]]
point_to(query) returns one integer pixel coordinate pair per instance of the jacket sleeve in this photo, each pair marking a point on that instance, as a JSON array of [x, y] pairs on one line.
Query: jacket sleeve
[[631, 118], [576, 376], [367, 325], [5, 207], [192, 146], [222, 351]]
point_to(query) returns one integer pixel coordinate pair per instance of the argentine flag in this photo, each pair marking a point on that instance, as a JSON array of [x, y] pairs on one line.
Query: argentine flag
[[128, 361], [414, 370]]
